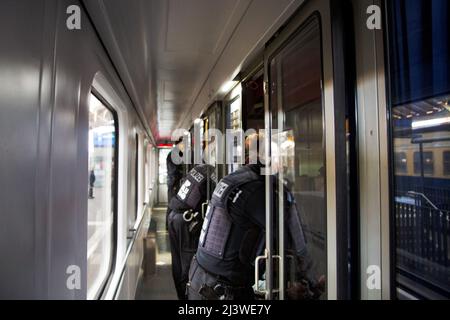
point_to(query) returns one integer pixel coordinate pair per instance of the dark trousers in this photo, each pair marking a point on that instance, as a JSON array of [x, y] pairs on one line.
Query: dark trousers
[[172, 190], [183, 246]]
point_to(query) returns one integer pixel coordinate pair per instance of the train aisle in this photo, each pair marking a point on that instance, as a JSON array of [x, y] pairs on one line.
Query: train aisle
[[159, 286]]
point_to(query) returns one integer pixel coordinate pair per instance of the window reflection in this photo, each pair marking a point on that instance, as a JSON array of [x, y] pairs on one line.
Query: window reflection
[[101, 195], [423, 191], [423, 163], [446, 163], [420, 86], [401, 163]]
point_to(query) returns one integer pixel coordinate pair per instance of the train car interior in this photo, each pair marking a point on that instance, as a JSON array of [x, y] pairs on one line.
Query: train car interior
[[348, 100]]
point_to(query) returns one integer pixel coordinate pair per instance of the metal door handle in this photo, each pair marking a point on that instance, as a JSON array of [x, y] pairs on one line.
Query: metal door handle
[[257, 260], [204, 204]]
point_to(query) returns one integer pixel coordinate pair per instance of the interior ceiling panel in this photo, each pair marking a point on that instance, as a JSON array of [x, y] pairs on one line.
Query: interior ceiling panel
[[186, 34], [165, 50]]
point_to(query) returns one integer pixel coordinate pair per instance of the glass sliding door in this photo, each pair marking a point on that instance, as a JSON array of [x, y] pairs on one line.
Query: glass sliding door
[[298, 148], [301, 211]]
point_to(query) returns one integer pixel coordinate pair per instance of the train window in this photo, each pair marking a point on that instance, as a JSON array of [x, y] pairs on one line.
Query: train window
[[253, 102], [446, 160], [213, 121], [147, 171], [423, 163], [420, 93], [132, 214], [234, 123], [297, 115], [137, 178], [401, 163], [189, 139], [102, 179]]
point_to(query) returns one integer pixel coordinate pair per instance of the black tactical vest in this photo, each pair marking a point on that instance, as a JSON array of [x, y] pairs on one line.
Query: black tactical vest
[[223, 238]]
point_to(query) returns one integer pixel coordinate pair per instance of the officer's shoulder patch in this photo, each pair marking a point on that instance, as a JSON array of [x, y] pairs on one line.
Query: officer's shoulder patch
[[220, 189], [184, 190], [197, 176]]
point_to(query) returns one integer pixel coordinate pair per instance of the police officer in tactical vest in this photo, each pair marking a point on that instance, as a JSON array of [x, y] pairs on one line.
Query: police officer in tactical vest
[[187, 209], [233, 235]]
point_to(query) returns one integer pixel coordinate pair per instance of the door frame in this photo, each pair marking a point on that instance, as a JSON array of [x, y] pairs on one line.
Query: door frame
[[373, 155]]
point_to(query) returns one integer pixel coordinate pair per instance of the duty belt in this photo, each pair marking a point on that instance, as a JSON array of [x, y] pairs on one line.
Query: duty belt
[[221, 290]]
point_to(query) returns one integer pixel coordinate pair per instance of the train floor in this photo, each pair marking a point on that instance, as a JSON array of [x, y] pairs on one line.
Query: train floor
[[159, 286]]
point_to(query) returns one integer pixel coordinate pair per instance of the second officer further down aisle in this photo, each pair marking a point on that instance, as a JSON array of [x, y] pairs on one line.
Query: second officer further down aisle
[[185, 220]]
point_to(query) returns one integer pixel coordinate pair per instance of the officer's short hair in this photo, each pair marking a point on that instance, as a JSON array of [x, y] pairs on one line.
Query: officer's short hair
[[178, 141]]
